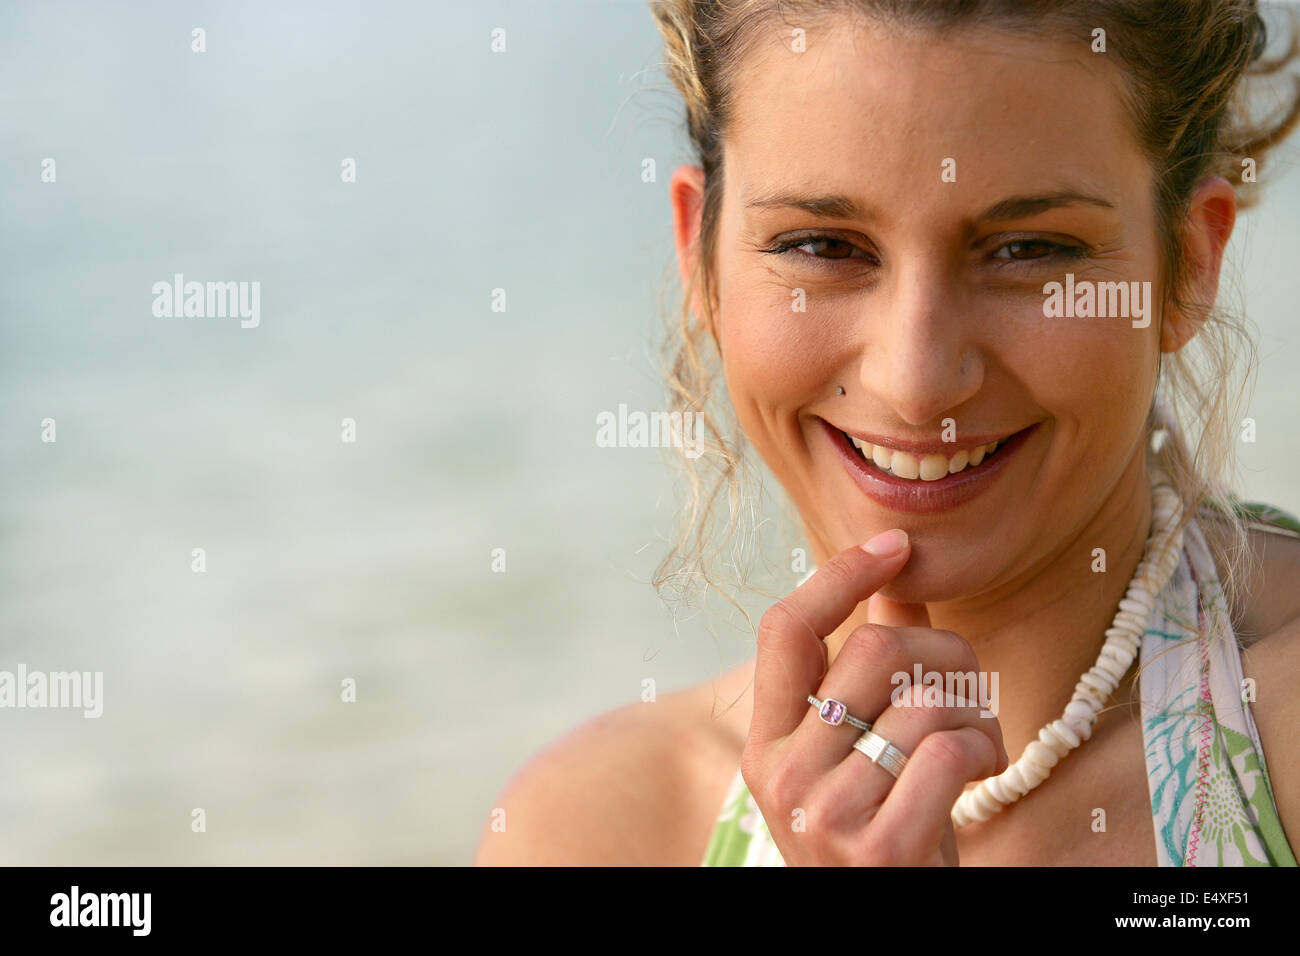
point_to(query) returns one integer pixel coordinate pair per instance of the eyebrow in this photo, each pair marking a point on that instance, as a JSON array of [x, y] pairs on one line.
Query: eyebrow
[[834, 206]]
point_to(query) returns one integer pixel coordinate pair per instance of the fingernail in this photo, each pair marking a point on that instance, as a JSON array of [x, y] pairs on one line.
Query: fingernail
[[887, 543]]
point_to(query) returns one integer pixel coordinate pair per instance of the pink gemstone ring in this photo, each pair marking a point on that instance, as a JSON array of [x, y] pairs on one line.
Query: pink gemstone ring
[[835, 713]]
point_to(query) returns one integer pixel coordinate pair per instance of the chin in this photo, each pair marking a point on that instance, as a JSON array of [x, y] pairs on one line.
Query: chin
[[927, 582]]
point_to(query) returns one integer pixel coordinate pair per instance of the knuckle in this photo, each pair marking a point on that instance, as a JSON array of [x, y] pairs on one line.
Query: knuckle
[[948, 749], [838, 570], [918, 719], [783, 787], [818, 818], [966, 653], [878, 647], [918, 712], [776, 621]]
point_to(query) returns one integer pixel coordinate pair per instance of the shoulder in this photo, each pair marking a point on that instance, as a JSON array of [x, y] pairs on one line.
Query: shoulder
[[637, 786], [1273, 663], [1271, 658], [1270, 579]]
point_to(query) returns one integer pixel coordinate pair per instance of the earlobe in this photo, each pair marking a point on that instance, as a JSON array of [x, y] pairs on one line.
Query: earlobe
[[1176, 331], [1211, 215]]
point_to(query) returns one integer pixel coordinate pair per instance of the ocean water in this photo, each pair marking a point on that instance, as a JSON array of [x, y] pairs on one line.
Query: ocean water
[[367, 561]]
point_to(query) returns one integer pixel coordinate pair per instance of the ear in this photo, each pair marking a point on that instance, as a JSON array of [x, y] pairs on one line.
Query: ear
[[686, 190], [1210, 218]]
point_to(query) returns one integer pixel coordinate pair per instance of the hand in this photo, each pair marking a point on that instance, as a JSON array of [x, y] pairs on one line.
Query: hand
[[854, 813]]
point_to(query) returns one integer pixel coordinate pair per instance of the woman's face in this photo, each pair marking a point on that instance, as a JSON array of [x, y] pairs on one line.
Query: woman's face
[[979, 169]]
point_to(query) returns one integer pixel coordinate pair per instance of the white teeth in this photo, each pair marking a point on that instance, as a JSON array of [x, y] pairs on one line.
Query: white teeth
[[905, 465], [933, 467], [882, 456], [930, 467]]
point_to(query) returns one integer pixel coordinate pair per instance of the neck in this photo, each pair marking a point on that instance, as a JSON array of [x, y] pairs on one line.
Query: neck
[[1041, 630]]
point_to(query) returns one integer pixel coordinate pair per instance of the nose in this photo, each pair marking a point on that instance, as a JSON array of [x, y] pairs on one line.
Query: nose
[[920, 357]]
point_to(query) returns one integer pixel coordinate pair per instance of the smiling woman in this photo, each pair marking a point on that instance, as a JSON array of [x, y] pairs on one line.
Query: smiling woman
[[886, 194]]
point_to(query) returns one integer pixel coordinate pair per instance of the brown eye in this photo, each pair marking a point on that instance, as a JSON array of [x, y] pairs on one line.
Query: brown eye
[[834, 248], [821, 250], [1022, 245], [1037, 253]]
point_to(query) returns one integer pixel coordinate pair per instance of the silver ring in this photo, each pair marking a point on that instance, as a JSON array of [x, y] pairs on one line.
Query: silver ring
[[882, 753], [835, 713]]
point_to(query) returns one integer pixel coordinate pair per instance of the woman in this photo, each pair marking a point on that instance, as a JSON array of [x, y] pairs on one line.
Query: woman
[[955, 259]]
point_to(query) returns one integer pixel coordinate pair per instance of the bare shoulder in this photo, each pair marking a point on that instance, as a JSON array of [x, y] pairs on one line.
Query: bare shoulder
[[637, 786], [1273, 663], [1271, 659], [1272, 581]]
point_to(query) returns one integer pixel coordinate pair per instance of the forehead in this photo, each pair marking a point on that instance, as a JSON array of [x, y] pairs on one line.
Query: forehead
[[867, 108]]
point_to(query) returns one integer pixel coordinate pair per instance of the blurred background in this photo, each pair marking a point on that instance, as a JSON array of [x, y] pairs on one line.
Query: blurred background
[[371, 560]]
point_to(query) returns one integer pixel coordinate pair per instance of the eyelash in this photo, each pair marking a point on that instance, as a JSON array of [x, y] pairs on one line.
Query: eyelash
[[1059, 250]]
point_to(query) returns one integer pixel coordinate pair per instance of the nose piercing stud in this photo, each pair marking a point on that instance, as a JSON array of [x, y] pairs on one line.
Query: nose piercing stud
[[839, 389]]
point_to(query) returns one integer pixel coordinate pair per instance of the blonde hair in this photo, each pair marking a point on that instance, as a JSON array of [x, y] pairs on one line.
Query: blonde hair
[[1185, 62]]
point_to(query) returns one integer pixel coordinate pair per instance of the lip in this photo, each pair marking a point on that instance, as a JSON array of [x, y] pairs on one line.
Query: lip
[[924, 497]]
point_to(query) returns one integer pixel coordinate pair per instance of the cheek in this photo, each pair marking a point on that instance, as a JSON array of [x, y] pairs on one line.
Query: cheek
[[1099, 373], [773, 355]]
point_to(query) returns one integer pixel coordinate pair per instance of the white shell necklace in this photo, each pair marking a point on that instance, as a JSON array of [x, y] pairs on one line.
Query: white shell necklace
[[1123, 638]]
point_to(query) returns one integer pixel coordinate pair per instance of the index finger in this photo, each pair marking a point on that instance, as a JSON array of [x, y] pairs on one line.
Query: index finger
[[791, 658]]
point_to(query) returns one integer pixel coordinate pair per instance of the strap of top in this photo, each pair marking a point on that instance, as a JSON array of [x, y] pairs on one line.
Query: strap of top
[[1211, 799], [1265, 517]]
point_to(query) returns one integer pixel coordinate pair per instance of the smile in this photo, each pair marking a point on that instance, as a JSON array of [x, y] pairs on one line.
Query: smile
[[924, 467], [922, 478]]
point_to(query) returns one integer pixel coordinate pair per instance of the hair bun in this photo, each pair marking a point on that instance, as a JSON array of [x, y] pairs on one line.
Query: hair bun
[[1259, 33]]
